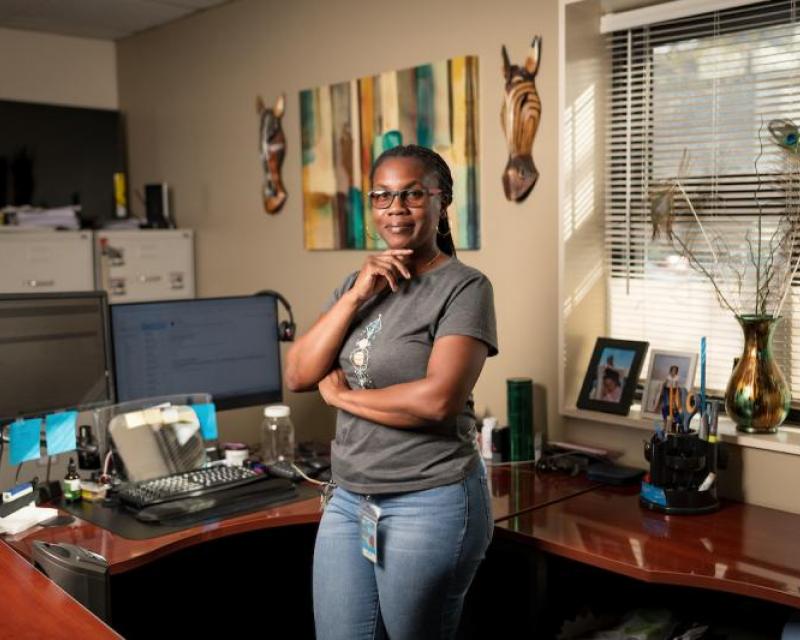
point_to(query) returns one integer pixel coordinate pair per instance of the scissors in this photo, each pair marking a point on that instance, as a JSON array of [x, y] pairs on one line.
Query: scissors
[[692, 407]]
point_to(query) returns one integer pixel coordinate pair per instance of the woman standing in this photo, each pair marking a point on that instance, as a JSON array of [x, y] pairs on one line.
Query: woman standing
[[397, 351]]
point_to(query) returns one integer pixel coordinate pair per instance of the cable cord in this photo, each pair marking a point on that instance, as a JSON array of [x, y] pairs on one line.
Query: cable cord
[[326, 487]]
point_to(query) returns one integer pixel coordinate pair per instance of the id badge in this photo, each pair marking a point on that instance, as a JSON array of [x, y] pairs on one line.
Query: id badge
[[369, 516]]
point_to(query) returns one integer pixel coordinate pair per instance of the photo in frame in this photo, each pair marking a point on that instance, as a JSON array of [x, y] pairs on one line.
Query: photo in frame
[[612, 375], [667, 369]]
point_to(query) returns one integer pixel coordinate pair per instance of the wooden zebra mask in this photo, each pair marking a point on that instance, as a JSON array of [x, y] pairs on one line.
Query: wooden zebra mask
[[520, 116], [272, 148]]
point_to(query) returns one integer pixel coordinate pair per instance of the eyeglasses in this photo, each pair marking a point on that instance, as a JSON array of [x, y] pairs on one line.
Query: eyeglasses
[[409, 197]]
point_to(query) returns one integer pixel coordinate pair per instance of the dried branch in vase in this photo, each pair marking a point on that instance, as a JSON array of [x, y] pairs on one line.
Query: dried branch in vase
[[754, 274]]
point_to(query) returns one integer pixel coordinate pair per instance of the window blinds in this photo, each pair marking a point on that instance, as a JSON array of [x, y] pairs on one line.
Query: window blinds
[[691, 99]]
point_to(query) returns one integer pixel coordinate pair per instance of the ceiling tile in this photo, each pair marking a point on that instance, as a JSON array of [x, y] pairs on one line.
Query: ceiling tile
[[107, 19]]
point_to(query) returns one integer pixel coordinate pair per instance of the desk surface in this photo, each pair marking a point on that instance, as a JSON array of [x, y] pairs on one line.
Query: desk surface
[[518, 488], [741, 549], [514, 489], [35, 607], [123, 554]]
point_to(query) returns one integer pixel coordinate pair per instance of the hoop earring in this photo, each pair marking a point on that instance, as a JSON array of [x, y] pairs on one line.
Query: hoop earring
[[447, 222]]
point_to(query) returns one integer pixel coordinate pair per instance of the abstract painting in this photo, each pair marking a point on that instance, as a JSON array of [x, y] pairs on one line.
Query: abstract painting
[[346, 126]]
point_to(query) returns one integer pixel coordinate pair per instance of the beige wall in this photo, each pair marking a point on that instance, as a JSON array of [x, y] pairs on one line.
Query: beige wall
[[188, 91], [42, 67]]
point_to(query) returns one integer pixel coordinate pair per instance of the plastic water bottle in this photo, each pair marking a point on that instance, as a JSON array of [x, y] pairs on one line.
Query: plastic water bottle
[[277, 434], [489, 425]]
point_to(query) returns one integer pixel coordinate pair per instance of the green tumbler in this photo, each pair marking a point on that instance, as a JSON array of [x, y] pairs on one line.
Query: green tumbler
[[519, 394]]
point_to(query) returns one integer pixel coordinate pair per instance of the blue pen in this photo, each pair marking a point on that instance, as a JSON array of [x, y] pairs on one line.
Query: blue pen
[[702, 374]]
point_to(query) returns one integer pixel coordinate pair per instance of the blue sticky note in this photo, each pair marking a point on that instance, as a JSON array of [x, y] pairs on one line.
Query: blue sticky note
[[24, 435], [60, 432], [207, 415]]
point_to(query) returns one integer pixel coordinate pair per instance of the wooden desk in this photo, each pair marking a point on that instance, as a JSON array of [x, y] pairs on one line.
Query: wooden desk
[[514, 489], [123, 554], [742, 549], [35, 607]]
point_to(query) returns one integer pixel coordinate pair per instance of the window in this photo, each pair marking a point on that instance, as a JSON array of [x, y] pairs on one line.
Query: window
[[707, 85]]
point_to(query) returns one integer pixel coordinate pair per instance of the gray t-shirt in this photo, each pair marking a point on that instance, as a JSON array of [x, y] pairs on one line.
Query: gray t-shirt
[[390, 342]]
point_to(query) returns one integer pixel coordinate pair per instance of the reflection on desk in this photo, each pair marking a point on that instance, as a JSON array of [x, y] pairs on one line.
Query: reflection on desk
[[518, 488], [742, 549], [34, 607]]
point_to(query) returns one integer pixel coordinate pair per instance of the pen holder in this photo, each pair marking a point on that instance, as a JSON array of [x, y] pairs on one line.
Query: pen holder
[[682, 477]]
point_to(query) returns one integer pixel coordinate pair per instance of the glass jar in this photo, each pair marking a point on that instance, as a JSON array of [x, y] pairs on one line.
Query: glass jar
[[277, 434]]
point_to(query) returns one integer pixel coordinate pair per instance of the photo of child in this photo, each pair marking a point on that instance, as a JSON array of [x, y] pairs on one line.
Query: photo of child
[[612, 373]]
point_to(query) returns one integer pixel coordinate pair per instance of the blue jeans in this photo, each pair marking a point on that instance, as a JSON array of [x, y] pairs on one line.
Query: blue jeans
[[430, 545]]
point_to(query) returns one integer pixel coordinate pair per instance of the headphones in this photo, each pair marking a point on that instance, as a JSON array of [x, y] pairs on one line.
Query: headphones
[[286, 328]]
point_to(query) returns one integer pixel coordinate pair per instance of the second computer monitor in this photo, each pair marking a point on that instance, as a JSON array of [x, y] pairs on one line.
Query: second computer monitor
[[54, 353], [227, 347]]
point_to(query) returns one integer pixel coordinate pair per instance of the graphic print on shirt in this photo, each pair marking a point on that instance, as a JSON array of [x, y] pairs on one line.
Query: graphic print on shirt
[[359, 357]]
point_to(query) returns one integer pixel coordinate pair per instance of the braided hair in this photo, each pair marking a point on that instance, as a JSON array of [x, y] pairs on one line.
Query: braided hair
[[433, 163]]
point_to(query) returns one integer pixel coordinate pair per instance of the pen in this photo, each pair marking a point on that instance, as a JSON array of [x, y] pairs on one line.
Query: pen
[[703, 433], [714, 421], [702, 373], [712, 434]]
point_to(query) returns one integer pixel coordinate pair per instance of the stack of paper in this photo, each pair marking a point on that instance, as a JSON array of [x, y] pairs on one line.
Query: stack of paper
[[36, 218]]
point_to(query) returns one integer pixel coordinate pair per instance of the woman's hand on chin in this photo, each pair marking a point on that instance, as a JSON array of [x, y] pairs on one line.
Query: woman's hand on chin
[[332, 385], [380, 271]]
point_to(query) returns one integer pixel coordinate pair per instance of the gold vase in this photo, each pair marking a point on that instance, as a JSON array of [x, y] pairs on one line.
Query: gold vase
[[757, 398]]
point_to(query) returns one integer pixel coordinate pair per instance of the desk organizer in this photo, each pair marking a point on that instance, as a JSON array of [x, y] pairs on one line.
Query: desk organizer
[[680, 479]]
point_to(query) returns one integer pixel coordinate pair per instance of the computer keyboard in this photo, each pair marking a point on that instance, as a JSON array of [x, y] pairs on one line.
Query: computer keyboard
[[231, 501], [188, 484]]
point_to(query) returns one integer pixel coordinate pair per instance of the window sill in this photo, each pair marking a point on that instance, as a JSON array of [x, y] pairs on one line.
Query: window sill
[[787, 440]]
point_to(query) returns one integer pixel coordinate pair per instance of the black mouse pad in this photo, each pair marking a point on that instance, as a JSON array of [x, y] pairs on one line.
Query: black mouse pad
[[123, 523]]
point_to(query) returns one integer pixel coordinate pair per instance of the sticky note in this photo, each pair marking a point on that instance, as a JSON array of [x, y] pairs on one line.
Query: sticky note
[[60, 432], [207, 415], [24, 435]]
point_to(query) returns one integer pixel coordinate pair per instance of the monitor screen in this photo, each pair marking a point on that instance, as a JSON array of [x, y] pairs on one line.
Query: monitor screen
[[54, 351], [227, 347], [53, 156]]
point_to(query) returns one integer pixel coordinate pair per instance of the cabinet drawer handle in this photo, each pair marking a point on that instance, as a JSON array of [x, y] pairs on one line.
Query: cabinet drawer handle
[[144, 278], [39, 283]]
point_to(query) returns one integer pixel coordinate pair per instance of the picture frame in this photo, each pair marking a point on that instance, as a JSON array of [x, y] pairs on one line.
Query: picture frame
[[612, 375], [658, 370]]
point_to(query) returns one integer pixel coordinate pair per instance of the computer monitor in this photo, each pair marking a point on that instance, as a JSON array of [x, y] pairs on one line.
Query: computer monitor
[[227, 347], [54, 353]]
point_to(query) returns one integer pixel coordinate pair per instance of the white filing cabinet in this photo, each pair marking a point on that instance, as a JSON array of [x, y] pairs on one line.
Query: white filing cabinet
[[148, 264], [43, 260]]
